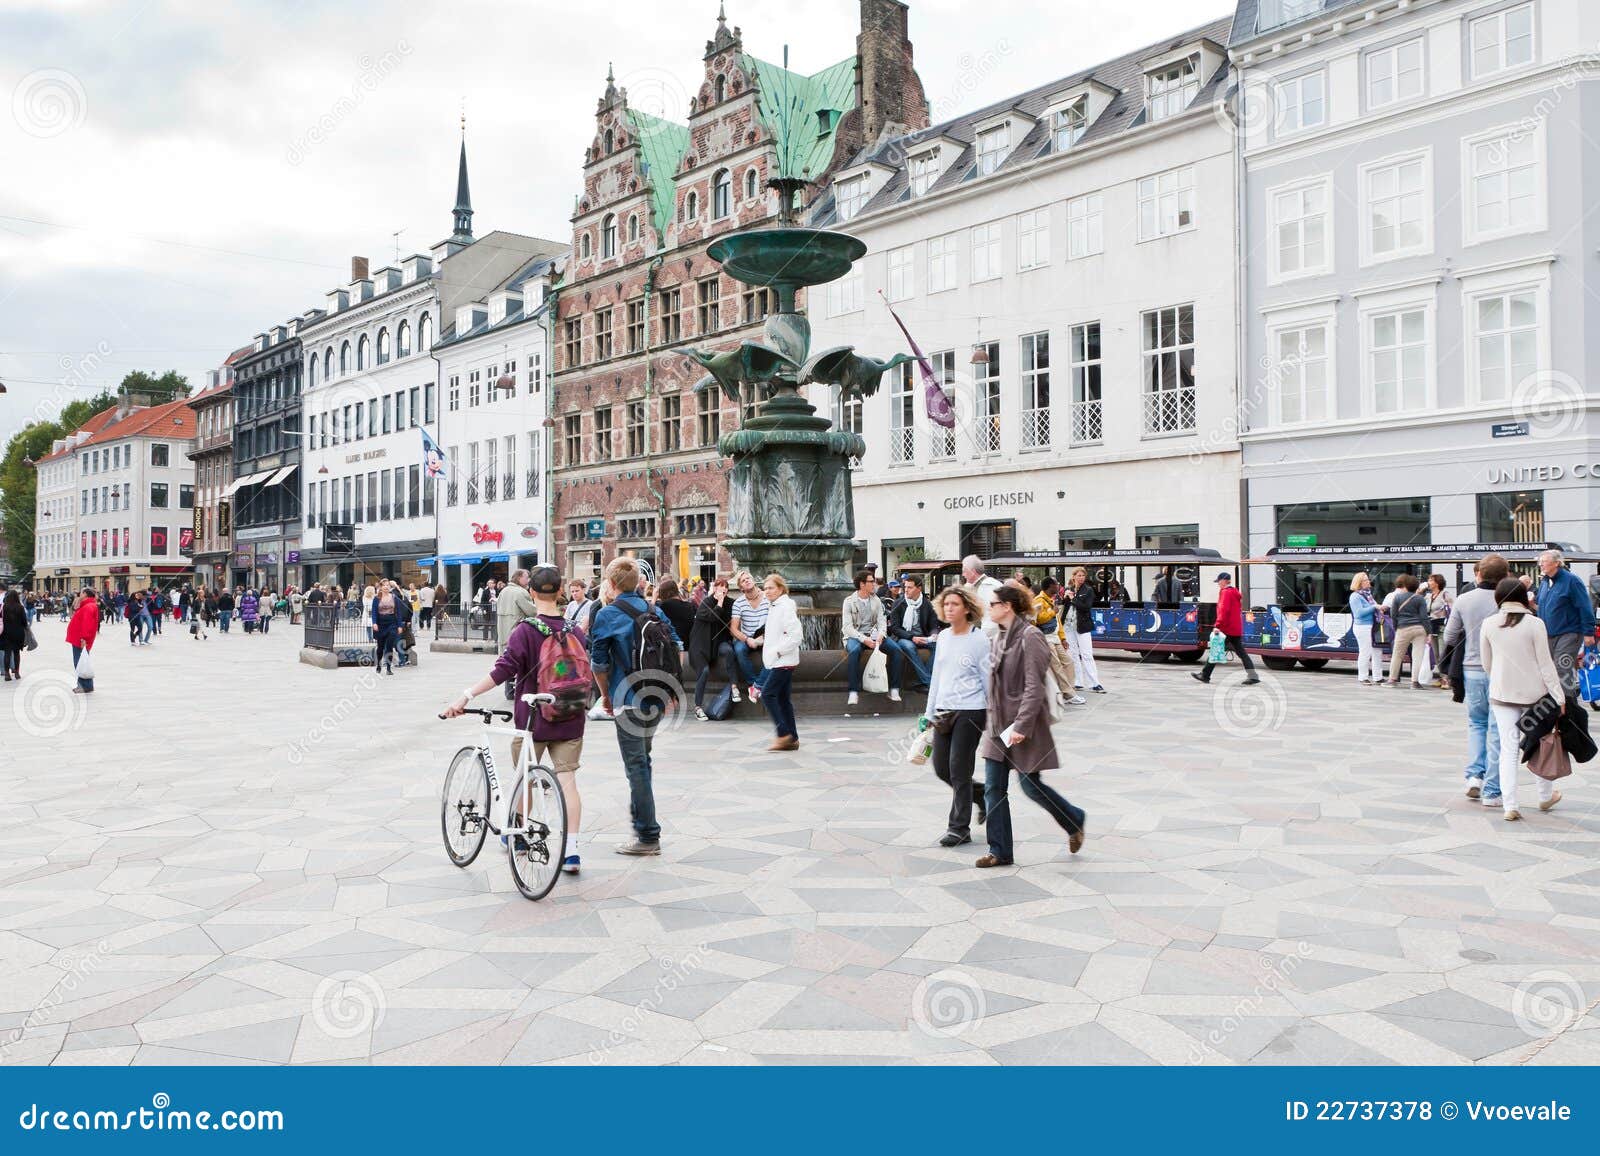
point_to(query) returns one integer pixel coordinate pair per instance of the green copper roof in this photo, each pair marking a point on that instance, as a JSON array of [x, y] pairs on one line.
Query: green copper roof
[[789, 104], [662, 145]]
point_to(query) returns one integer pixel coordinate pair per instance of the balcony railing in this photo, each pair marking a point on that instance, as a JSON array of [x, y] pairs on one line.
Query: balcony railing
[[531, 490], [1035, 429], [452, 494], [902, 444], [472, 493], [988, 433], [491, 488], [508, 485], [1169, 411], [941, 444], [1086, 422]]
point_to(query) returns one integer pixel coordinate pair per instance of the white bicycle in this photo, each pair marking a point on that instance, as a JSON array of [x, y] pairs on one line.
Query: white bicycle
[[535, 830]]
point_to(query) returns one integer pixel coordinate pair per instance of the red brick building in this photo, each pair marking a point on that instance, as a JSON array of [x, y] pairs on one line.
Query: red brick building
[[635, 464]]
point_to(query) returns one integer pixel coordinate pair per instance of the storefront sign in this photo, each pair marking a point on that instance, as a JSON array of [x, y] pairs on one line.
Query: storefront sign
[[224, 519], [1516, 475], [339, 537], [1509, 429], [368, 456], [530, 531], [596, 528], [244, 561], [994, 501], [294, 557], [481, 534], [1300, 541], [185, 540]]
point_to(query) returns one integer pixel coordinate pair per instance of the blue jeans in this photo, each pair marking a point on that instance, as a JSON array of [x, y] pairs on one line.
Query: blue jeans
[[904, 650], [749, 660], [84, 684], [997, 777], [854, 647], [146, 625], [635, 734], [1483, 737], [780, 705], [223, 618]]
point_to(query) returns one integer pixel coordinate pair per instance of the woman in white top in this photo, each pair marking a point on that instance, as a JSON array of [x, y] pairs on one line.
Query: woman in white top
[[780, 654], [1514, 648], [958, 701]]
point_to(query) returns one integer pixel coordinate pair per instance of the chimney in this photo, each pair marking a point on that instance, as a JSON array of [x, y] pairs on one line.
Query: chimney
[[888, 90], [358, 268]]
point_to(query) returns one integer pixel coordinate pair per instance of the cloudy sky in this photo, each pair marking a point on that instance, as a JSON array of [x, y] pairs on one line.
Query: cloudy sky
[[177, 176]]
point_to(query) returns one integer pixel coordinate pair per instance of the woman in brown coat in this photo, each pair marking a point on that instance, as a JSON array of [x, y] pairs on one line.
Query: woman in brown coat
[[1018, 731]]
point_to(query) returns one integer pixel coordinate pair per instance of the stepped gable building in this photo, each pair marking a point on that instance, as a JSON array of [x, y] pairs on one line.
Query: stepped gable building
[[636, 469]]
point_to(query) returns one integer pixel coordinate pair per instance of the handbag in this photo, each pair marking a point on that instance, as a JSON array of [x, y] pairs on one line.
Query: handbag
[[32, 643], [721, 706], [1589, 678], [943, 722], [1550, 760], [875, 678], [85, 667]]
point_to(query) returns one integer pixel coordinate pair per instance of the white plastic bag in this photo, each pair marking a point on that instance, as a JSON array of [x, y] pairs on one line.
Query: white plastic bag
[[85, 667], [875, 677], [921, 748]]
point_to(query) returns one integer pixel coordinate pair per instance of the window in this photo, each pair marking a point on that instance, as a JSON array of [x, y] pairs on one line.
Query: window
[[363, 353], [942, 262], [750, 186], [602, 434], [710, 418], [1036, 391], [1505, 177], [902, 273], [1085, 235], [383, 346], [1517, 516], [691, 206], [942, 439], [633, 227], [986, 386], [1168, 343], [671, 423], [1172, 88], [608, 235], [1033, 239], [158, 454], [902, 415], [454, 394], [583, 246], [1087, 425], [344, 359], [1300, 227], [671, 303], [185, 497], [1395, 197], [1397, 360], [419, 501], [1301, 103], [993, 145], [986, 251], [602, 334], [425, 334], [708, 296], [1506, 332], [372, 496], [850, 197], [1069, 124], [1300, 374], [1394, 74], [574, 439], [414, 408], [474, 470], [158, 495], [922, 171], [635, 420], [1166, 204], [402, 340], [756, 304], [531, 489], [845, 294], [1500, 41], [474, 392], [386, 496], [427, 403], [721, 194], [574, 342]]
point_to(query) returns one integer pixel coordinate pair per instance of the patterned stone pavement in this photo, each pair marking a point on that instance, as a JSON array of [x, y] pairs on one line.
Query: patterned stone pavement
[[225, 857]]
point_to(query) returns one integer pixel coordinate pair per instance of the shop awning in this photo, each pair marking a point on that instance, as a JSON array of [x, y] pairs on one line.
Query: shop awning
[[463, 559], [247, 480], [281, 475]]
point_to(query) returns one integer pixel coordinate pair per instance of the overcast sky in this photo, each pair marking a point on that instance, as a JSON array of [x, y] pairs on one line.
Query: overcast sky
[[177, 176]]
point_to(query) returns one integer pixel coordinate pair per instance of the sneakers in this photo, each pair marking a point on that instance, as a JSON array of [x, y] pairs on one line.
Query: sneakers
[[853, 700], [894, 696], [1474, 788], [1491, 800], [734, 688], [1512, 815], [599, 713], [1076, 700], [571, 864], [1198, 677], [700, 713], [951, 839], [1546, 804], [1098, 689], [1251, 681], [755, 694], [639, 847]]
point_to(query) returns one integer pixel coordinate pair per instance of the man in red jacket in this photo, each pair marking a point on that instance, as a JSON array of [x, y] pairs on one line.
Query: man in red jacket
[[81, 633], [1230, 621]]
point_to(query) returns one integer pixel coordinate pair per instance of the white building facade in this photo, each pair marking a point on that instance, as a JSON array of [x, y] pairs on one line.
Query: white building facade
[[1067, 260]]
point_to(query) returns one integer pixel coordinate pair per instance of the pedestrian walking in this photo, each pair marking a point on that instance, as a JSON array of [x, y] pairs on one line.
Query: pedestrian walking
[[1440, 602], [711, 643], [425, 607], [958, 702], [1567, 611], [81, 633], [225, 608], [1230, 624], [1410, 630], [13, 635], [249, 611], [1463, 632], [1017, 729], [780, 654], [390, 612], [266, 610], [1050, 620], [1515, 647], [625, 653], [1364, 616], [1078, 630]]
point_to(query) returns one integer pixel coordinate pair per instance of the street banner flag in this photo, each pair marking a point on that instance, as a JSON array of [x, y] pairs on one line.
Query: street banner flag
[[938, 402], [433, 459]]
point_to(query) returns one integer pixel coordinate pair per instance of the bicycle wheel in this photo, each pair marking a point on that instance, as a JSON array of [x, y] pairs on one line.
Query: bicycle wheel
[[464, 806], [537, 854]]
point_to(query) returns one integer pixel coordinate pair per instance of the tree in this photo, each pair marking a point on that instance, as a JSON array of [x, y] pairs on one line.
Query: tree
[[170, 386]]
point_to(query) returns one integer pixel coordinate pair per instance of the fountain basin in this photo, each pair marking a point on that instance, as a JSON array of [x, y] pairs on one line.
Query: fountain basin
[[787, 256]]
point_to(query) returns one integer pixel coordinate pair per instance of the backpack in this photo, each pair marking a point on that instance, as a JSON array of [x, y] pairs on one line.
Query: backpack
[[563, 670], [657, 674]]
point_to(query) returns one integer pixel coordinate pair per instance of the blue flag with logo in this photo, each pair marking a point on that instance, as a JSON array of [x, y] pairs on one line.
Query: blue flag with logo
[[434, 462]]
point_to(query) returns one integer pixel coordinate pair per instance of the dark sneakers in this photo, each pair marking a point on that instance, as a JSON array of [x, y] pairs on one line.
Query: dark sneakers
[[639, 847], [951, 839]]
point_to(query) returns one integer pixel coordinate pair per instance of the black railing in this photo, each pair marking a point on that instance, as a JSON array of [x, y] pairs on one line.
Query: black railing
[[472, 625], [330, 626]]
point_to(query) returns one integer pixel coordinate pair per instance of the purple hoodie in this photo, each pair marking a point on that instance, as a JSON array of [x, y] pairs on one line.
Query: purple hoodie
[[520, 661]]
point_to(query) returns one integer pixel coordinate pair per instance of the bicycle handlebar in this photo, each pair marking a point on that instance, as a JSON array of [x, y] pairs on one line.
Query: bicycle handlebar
[[489, 716]]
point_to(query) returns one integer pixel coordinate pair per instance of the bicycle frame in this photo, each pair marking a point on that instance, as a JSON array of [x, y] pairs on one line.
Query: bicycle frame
[[524, 761]]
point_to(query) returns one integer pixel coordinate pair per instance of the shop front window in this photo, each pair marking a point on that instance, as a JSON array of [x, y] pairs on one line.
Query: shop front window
[[1517, 516]]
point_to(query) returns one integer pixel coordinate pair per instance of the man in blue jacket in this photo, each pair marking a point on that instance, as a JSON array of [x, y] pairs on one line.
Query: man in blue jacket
[[611, 655], [1568, 615]]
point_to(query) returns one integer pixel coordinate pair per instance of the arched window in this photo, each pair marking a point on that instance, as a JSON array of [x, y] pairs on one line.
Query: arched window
[[424, 333], [721, 89], [608, 236], [633, 227], [583, 246], [691, 206], [750, 185], [344, 359], [363, 353], [327, 364], [383, 346], [402, 340], [311, 377], [721, 194], [611, 142]]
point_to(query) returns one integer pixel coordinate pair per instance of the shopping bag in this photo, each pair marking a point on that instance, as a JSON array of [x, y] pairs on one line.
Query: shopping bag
[[1217, 648], [33, 643], [85, 667], [921, 748], [875, 678], [1589, 678]]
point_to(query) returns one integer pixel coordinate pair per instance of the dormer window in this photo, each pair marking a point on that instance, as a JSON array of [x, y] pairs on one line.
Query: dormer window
[[993, 146], [1173, 87], [851, 197], [923, 170], [1070, 123]]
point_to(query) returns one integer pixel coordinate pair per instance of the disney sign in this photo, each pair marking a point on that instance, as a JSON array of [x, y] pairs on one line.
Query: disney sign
[[482, 534]]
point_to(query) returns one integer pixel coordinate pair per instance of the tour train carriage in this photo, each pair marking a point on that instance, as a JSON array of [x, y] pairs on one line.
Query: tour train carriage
[[1309, 621]]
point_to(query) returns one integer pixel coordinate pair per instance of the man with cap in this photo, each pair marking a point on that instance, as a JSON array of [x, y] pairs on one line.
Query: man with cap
[[1230, 621]]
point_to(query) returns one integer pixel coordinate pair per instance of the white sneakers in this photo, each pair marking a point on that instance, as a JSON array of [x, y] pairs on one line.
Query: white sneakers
[[735, 688], [894, 696], [853, 700]]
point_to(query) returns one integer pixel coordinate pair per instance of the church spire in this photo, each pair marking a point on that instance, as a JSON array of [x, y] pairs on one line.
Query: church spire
[[463, 209]]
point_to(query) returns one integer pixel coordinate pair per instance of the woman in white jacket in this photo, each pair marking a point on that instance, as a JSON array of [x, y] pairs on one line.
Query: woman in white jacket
[[780, 654], [1515, 650]]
